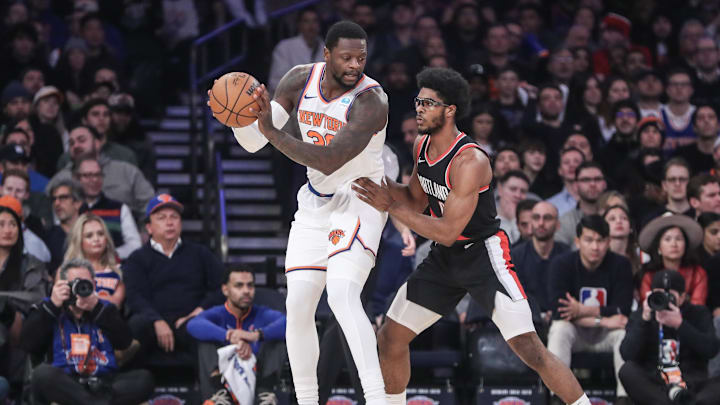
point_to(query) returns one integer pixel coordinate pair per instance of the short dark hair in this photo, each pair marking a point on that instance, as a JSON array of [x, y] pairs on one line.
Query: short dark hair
[[525, 205], [703, 105], [90, 17], [237, 268], [594, 223], [514, 173], [11, 129], [93, 103], [546, 86], [676, 71], [676, 161], [310, 9], [572, 149], [696, 183], [588, 165], [95, 134], [532, 144], [17, 173], [343, 29], [84, 158], [707, 218], [625, 103], [452, 88]]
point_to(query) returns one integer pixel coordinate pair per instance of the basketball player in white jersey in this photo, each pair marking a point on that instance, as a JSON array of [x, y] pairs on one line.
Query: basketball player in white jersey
[[333, 240]]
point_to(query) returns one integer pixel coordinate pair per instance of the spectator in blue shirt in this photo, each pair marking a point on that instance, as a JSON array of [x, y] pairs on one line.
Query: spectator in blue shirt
[[237, 322]]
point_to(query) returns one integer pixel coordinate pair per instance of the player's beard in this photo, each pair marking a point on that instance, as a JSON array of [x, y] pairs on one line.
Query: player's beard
[[339, 79], [433, 126]]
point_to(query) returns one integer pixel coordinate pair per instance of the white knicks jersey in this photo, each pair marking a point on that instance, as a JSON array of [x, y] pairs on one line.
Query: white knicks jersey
[[320, 119]]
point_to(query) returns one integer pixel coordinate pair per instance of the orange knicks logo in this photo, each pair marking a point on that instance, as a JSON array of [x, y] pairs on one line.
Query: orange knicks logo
[[336, 235]]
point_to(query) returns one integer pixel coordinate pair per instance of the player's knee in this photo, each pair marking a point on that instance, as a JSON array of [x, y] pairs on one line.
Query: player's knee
[[392, 338], [342, 295], [297, 308]]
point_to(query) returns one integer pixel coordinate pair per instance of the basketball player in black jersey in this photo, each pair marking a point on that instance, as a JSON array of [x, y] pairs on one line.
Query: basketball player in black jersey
[[471, 254]]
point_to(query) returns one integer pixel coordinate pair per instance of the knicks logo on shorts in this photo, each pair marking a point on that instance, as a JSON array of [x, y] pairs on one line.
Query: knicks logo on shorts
[[335, 236]]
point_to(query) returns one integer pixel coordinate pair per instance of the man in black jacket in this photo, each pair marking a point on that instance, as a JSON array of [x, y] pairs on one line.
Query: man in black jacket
[[82, 333], [169, 280], [688, 342]]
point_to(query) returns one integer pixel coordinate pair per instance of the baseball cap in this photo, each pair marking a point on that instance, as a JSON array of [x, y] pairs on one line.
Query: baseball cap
[[14, 90], [13, 153], [12, 203], [668, 279], [47, 91], [162, 201], [121, 102], [76, 43]]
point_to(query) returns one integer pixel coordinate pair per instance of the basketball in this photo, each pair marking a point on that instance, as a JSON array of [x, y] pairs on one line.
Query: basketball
[[231, 98]]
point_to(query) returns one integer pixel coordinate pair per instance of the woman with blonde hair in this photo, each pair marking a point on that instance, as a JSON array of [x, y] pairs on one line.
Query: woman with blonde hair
[[611, 198], [90, 239]]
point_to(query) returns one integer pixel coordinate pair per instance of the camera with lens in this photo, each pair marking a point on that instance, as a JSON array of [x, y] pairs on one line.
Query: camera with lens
[[80, 287], [94, 384], [660, 300], [679, 394]]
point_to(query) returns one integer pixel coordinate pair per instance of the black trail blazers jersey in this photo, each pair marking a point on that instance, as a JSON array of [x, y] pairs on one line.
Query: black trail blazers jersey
[[434, 176]]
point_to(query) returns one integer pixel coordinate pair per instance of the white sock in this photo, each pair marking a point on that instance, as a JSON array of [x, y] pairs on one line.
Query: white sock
[[396, 399], [302, 338], [344, 300], [583, 400]]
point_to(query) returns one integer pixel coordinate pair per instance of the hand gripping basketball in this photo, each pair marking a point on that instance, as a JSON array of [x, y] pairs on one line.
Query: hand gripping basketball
[[231, 99], [262, 109]]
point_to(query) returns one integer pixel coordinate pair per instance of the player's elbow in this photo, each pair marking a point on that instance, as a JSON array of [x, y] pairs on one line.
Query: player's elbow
[[447, 241], [449, 238]]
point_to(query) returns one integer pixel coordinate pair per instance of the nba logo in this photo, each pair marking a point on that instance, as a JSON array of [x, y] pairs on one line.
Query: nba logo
[[593, 296], [670, 351], [345, 100]]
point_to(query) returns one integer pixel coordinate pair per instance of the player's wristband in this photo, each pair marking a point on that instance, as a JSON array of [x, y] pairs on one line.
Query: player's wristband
[[250, 137], [261, 335]]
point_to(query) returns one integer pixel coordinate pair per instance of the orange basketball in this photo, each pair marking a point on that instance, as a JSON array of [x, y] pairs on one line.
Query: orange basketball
[[231, 98]]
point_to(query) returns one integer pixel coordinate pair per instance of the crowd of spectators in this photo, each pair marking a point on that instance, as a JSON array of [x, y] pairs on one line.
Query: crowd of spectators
[[601, 118]]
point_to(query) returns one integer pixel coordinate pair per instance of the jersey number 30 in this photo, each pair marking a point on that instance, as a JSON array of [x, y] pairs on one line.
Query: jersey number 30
[[319, 139]]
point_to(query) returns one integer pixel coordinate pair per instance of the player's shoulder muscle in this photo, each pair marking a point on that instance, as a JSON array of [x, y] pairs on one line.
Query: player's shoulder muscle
[[370, 109], [290, 86], [471, 166]]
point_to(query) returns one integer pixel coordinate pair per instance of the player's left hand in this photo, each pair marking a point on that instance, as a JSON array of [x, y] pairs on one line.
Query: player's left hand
[[569, 308], [264, 110], [376, 195]]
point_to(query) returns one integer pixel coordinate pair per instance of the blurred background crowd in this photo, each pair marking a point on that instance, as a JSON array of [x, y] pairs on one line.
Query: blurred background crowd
[[601, 117]]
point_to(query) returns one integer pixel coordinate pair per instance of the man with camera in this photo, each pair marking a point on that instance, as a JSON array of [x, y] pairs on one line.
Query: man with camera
[[667, 346], [82, 332]]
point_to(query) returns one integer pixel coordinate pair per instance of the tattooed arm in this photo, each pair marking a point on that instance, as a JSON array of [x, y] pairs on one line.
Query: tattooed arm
[[367, 116]]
